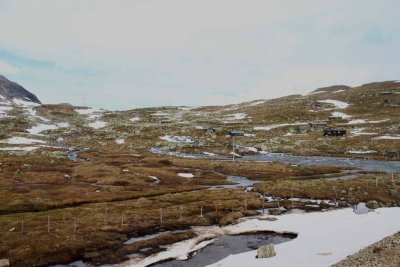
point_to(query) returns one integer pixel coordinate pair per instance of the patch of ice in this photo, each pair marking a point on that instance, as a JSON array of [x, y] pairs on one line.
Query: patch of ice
[[185, 175], [336, 103]]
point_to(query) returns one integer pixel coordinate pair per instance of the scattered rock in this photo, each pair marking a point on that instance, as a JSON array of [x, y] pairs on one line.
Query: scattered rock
[[373, 204], [267, 251], [343, 203]]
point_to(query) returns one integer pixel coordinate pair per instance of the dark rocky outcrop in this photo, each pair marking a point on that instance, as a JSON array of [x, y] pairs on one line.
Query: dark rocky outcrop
[[10, 90]]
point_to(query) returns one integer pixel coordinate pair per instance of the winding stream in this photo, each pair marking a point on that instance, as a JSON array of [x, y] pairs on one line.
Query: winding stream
[[367, 165]]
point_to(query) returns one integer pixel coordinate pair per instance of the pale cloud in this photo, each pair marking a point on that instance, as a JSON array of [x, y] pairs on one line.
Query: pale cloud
[[6, 68], [122, 54]]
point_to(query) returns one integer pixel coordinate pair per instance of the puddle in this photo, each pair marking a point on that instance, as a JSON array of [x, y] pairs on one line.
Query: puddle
[[227, 245]]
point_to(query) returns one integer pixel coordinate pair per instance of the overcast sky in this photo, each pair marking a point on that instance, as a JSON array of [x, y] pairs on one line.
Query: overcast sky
[[140, 53]]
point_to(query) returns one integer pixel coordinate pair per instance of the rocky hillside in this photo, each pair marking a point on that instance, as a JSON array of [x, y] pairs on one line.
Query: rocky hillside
[[11, 91], [369, 114]]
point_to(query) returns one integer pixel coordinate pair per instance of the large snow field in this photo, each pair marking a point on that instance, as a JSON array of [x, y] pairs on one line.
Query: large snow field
[[324, 238]]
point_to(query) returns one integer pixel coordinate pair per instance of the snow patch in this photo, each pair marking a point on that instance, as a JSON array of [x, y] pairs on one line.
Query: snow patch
[[177, 139], [120, 141], [22, 141], [273, 126], [388, 137], [336, 103], [361, 151], [185, 175], [97, 124]]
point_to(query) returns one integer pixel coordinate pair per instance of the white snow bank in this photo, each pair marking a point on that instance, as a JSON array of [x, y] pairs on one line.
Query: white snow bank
[[120, 141], [185, 175], [324, 238], [336, 103], [388, 137], [273, 126], [209, 154], [22, 141], [176, 139]]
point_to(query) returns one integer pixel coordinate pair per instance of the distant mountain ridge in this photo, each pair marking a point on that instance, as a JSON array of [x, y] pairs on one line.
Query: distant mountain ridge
[[10, 90]]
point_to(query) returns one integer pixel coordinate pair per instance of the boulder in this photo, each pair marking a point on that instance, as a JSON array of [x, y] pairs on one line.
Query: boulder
[[267, 251], [4, 263], [372, 204]]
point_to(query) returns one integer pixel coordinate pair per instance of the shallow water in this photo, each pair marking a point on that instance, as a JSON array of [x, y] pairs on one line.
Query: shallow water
[[239, 181], [224, 246]]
